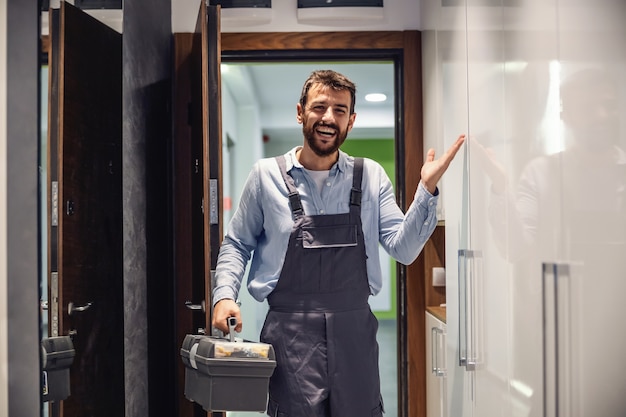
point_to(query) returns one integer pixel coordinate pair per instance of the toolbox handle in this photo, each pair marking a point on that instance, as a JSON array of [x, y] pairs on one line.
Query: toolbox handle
[[232, 323]]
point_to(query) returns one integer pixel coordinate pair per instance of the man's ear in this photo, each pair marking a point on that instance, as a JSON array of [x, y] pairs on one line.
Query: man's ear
[[351, 121], [299, 113]]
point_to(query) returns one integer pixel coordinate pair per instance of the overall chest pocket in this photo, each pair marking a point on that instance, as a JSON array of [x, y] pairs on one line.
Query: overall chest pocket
[[332, 260], [338, 236]]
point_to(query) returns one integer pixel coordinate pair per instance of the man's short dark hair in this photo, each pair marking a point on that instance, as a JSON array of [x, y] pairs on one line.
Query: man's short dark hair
[[332, 79]]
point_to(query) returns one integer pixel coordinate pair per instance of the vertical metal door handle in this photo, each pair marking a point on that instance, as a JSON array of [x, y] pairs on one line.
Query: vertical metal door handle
[[433, 347], [462, 323], [468, 290], [472, 314], [550, 274], [436, 335]]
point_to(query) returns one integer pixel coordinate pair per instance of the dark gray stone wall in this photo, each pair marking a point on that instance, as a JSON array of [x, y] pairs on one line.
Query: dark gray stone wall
[[22, 129], [146, 112]]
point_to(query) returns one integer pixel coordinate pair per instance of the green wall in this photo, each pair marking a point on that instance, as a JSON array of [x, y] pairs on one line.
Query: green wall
[[383, 152]]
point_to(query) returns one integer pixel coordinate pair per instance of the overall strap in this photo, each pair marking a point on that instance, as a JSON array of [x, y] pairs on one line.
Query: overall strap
[[357, 176], [294, 197]]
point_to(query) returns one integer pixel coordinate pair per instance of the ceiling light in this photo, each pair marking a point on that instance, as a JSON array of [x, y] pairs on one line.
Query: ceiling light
[[375, 97]]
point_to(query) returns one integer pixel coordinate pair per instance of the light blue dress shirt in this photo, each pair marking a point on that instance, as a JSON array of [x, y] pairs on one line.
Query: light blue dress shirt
[[262, 223]]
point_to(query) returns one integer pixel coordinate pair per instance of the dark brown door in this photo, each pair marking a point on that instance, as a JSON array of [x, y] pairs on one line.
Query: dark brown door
[[197, 179], [210, 143], [85, 208]]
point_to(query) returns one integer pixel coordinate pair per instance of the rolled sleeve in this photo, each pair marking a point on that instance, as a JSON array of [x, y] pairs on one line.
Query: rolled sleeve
[[426, 211], [404, 235]]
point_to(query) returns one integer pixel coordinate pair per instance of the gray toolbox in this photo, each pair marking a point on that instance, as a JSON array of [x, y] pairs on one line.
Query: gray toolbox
[[57, 355], [226, 374]]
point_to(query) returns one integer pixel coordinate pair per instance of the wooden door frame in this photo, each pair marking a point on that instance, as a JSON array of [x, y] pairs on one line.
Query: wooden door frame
[[197, 168], [409, 154]]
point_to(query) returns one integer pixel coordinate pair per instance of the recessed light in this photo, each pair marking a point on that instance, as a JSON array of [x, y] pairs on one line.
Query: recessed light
[[375, 97]]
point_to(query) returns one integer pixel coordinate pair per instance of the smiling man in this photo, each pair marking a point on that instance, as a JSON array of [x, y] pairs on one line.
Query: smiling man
[[311, 221]]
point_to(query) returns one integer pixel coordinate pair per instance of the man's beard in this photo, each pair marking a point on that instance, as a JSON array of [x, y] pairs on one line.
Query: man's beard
[[309, 135], [597, 137]]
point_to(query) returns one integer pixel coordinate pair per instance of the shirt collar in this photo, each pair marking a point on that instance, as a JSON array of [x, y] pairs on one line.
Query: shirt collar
[[292, 160]]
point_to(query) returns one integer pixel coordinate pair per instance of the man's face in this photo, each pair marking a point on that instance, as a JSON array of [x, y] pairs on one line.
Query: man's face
[[326, 120], [593, 118]]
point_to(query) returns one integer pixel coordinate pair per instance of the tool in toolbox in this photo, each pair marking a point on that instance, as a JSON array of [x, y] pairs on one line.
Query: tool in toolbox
[[227, 374]]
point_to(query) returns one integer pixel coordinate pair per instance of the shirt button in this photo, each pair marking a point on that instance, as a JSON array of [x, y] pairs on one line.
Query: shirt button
[[430, 204], [321, 211], [328, 184], [425, 223]]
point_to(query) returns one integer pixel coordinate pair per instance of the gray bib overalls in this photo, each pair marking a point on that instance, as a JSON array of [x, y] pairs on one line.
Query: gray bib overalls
[[319, 322]]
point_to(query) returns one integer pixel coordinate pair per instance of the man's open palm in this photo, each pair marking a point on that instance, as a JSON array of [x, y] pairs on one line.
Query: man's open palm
[[433, 169]]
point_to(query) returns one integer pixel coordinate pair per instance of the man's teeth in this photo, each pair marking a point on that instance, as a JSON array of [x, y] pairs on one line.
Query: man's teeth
[[326, 131]]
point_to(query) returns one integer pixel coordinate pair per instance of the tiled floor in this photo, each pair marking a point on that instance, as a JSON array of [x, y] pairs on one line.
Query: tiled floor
[[387, 341]]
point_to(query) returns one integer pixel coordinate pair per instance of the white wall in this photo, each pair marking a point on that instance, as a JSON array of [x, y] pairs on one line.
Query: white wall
[[241, 124], [4, 384], [229, 131]]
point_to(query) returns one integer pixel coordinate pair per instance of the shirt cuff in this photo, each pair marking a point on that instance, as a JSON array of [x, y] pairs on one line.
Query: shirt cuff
[[222, 293], [424, 197]]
